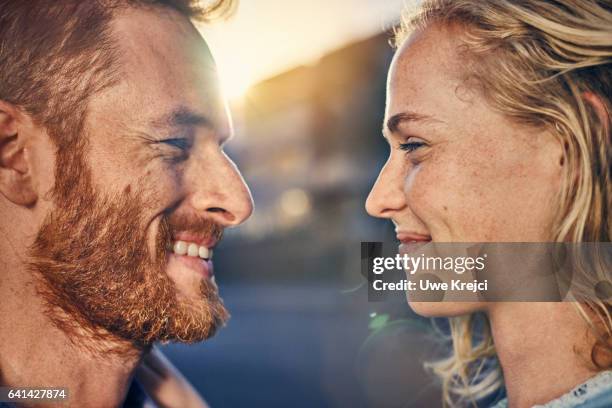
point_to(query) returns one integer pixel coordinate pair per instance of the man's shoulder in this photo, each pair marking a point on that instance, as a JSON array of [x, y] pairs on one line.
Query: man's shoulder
[[136, 397]]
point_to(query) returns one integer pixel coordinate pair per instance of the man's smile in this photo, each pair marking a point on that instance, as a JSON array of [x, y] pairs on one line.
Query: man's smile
[[196, 257], [189, 248]]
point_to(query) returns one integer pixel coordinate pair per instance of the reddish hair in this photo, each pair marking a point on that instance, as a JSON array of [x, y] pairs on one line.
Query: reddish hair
[[55, 55]]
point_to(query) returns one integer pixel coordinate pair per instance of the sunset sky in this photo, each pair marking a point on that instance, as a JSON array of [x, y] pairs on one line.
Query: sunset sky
[[266, 37]]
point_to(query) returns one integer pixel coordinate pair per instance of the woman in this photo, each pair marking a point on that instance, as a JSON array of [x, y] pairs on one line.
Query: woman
[[499, 120]]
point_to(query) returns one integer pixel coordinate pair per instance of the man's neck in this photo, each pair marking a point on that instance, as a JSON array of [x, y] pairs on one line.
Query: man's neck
[[543, 348], [35, 353]]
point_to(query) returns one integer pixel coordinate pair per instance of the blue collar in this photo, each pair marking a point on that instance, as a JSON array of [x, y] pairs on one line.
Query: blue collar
[[594, 393]]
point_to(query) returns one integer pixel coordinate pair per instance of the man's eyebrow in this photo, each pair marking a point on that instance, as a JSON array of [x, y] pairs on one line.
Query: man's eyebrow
[[182, 117], [394, 122]]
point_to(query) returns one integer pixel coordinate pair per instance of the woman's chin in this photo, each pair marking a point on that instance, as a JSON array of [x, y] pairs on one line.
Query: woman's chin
[[445, 309]]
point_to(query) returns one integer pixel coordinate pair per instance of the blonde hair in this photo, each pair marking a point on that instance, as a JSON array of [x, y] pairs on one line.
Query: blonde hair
[[536, 61]]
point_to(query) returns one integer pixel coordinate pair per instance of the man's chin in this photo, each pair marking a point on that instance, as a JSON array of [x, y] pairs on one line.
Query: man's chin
[[183, 307], [196, 320], [199, 311]]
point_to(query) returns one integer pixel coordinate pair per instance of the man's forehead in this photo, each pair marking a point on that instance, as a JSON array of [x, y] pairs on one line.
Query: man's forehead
[[163, 65], [157, 35]]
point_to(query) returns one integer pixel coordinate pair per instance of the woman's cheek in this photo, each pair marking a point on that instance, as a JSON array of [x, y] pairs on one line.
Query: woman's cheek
[[430, 194], [448, 194]]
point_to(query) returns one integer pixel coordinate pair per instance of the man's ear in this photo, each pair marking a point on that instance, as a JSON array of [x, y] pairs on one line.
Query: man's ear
[[15, 171]]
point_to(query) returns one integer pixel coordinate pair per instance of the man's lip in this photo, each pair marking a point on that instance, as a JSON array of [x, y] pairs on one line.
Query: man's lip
[[205, 241], [201, 266]]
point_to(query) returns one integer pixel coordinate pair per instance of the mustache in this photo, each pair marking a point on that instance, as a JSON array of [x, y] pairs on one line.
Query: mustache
[[200, 226]]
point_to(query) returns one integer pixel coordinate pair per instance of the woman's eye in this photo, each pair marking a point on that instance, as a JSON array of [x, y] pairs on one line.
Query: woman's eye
[[409, 147]]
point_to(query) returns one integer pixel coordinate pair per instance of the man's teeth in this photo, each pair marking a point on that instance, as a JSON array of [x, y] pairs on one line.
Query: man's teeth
[[191, 249], [204, 252]]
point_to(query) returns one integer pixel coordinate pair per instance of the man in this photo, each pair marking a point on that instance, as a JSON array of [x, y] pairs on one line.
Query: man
[[114, 190]]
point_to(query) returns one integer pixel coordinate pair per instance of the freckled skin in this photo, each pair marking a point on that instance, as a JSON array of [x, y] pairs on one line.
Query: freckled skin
[[480, 176]]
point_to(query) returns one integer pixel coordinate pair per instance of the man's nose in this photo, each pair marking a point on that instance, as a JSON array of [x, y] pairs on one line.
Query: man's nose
[[387, 195], [219, 191]]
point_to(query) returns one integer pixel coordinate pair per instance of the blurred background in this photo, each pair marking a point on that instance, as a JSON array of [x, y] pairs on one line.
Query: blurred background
[[306, 82]]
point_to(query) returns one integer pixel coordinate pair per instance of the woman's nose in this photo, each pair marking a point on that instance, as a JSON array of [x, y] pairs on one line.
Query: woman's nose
[[387, 195]]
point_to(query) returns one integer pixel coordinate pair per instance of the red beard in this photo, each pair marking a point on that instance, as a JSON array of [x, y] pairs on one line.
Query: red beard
[[98, 278]]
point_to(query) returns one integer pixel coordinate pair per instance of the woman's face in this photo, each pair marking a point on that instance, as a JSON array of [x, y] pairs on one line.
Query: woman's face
[[458, 170]]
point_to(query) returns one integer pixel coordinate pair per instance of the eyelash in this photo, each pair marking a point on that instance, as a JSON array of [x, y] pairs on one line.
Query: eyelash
[[181, 143], [410, 146]]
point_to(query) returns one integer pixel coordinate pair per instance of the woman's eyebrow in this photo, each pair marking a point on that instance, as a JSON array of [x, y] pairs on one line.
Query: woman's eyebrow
[[393, 123]]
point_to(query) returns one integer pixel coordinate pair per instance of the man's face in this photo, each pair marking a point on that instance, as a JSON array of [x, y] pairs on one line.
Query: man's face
[[151, 183]]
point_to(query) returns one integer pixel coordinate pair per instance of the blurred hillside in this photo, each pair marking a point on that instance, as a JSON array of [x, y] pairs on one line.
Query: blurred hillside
[[302, 332], [309, 145]]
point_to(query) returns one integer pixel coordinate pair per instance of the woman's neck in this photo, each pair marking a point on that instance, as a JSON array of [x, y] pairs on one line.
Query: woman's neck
[[544, 349]]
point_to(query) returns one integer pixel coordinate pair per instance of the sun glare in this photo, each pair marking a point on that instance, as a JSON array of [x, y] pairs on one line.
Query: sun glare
[[267, 37], [236, 79]]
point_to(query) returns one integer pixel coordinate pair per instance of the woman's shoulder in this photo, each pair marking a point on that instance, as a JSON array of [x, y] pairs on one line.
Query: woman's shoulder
[[594, 393]]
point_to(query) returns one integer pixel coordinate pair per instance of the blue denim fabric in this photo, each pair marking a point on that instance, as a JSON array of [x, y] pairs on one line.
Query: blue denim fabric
[[595, 393]]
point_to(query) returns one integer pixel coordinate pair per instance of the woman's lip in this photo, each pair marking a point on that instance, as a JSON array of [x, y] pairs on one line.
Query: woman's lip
[[407, 237]]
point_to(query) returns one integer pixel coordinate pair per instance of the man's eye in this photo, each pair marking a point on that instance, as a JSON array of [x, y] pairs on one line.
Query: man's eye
[[410, 146], [180, 149], [179, 142]]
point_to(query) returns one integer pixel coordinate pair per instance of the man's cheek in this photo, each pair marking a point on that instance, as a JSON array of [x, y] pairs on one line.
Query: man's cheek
[[163, 186]]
